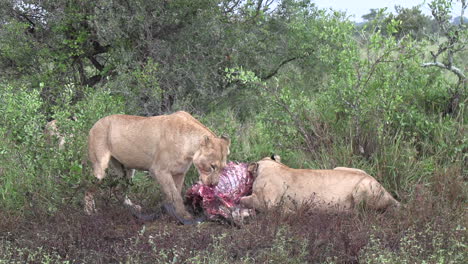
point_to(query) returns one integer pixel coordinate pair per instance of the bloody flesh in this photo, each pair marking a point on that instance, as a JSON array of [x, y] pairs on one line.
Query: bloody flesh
[[222, 200]]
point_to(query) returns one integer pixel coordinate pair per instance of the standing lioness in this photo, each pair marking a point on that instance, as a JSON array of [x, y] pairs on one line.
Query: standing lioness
[[164, 145], [341, 188]]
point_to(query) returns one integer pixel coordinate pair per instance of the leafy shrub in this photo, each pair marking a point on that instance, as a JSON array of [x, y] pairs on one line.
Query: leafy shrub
[[379, 110], [37, 175], [21, 142]]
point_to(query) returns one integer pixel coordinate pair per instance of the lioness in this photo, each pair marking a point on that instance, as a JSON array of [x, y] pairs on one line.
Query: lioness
[[164, 145], [338, 189]]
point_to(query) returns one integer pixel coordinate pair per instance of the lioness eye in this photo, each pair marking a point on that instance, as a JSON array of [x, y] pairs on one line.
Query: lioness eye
[[213, 167]]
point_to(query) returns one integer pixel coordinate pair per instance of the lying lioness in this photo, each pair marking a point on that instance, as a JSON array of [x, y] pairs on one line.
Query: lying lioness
[[164, 145], [338, 189]]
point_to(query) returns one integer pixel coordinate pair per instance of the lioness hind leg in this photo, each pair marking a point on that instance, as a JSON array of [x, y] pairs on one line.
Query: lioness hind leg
[[129, 173]]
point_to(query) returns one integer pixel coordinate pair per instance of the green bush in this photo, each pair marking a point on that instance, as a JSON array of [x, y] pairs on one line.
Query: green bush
[[36, 174], [379, 111], [21, 142]]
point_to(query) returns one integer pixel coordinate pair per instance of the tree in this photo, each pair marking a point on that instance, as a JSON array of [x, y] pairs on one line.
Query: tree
[[413, 22], [374, 14], [58, 44], [455, 38], [158, 54]]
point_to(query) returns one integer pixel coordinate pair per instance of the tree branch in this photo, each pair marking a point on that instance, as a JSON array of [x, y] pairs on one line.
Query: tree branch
[[98, 48], [464, 4], [93, 80], [96, 63], [297, 121], [453, 44], [453, 69], [275, 71], [32, 25], [229, 9]]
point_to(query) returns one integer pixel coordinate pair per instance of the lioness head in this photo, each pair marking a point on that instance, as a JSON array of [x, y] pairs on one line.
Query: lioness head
[[210, 159]]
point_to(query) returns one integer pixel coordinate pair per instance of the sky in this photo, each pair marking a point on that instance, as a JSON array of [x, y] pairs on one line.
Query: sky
[[357, 8]]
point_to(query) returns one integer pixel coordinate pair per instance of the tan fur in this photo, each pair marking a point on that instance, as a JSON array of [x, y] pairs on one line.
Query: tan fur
[[338, 189], [164, 145]]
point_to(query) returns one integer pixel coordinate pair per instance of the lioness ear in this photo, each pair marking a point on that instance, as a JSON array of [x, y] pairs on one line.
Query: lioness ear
[[252, 169], [206, 141], [276, 157], [227, 139]]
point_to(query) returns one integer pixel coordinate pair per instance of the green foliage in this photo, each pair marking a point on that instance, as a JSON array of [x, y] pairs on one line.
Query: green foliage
[[407, 22], [377, 102], [412, 22], [36, 173], [384, 91], [249, 141], [11, 42], [449, 47], [21, 129], [140, 88]]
